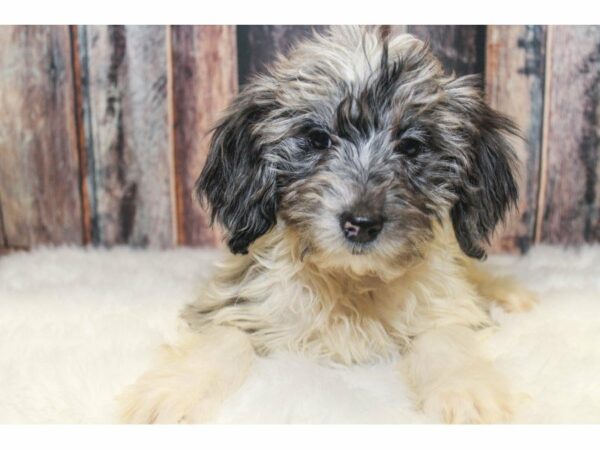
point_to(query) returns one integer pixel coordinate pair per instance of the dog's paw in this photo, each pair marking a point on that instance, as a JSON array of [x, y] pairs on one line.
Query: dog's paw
[[464, 400], [191, 381], [509, 295], [515, 299], [157, 399]]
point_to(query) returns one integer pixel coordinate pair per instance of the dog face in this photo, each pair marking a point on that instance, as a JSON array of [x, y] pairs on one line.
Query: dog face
[[359, 144]]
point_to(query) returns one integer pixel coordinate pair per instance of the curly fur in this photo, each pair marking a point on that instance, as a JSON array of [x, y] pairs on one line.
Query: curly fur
[[400, 140]]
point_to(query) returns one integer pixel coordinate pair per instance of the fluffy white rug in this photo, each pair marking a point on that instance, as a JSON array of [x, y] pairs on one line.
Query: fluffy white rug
[[76, 326]]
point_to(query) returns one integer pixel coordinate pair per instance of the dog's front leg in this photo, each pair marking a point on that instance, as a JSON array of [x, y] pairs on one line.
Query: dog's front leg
[[192, 380], [503, 290], [453, 381]]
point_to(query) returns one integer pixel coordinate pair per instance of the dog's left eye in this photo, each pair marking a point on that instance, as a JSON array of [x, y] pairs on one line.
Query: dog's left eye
[[409, 147], [319, 140]]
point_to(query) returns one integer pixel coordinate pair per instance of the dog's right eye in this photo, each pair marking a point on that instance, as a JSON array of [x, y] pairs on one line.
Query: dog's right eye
[[319, 140], [409, 147]]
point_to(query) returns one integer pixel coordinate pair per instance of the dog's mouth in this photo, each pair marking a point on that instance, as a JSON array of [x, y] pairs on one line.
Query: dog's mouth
[[358, 249]]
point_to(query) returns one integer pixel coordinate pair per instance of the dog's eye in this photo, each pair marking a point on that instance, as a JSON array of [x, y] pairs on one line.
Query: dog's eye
[[319, 140], [409, 147]]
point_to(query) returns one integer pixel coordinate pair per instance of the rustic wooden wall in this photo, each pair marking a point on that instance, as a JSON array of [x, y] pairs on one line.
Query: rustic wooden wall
[[514, 75], [127, 124], [105, 128], [205, 78], [570, 188], [40, 199]]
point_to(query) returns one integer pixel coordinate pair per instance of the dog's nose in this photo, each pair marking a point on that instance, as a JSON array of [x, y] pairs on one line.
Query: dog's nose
[[361, 228]]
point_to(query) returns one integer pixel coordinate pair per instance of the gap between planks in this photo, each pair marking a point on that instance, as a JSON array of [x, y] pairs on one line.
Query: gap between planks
[[86, 223], [542, 172], [174, 183]]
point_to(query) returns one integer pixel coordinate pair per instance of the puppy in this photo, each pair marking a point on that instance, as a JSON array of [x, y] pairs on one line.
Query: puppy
[[356, 182]]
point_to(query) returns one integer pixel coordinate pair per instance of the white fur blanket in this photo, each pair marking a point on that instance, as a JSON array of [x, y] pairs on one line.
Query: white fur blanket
[[77, 326]]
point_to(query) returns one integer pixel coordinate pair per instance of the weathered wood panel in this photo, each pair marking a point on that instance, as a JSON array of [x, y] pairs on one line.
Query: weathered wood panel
[[39, 177], [515, 66], [204, 82], [259, 45], [126, 94], [460, 48], [571, 197]]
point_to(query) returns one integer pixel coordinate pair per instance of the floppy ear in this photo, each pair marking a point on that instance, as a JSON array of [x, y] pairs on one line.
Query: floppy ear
[[490, 188], [237, 182]]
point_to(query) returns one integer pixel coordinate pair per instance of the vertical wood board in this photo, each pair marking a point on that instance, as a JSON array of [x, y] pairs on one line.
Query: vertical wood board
[[39, 176], [515, 76], [571, 206], [128, 135], [204, 81]]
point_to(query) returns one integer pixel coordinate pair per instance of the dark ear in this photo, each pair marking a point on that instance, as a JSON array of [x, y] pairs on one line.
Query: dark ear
[[237, 182], [490, 188]]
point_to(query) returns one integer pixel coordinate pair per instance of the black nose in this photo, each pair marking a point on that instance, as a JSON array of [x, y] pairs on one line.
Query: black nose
[[361, 228]]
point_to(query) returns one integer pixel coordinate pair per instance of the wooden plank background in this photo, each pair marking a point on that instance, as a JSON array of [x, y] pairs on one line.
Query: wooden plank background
[[514, 74], [570, 203], [40, 199], [105, 128], [258, 45], [460, 48], [128, 145], [205, 80]]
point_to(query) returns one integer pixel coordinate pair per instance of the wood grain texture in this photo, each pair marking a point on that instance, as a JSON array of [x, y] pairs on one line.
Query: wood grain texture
[[78, 79], [572, 188], [128, 134], [39, 177], [515, 66], [259, 45], [204, 80], [460, 48]]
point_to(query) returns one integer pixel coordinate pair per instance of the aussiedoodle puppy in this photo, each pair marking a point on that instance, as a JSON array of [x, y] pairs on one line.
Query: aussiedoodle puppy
[[356, 182]]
